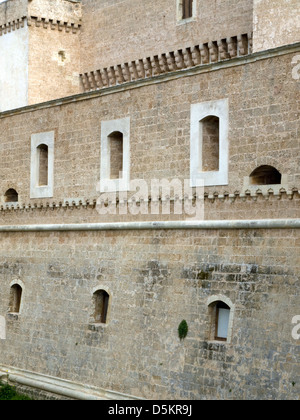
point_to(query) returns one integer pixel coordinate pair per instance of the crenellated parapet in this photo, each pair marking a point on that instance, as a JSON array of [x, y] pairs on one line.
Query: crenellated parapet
[[12, 26], [237, 197], [202, 54], [59, 25], [63, 15]]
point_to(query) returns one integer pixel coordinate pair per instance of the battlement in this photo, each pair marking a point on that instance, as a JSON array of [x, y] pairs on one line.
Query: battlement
[[211, 52], [63, 11], [12, 11]]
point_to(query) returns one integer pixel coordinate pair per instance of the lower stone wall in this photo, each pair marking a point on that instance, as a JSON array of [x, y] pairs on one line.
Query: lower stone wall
[[156, 279]]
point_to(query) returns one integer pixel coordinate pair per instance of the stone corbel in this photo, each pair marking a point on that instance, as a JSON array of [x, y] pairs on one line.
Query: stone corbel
[[196, 57], [111, 76], [118, 74], [162, 60], [243, 44], [133, 70], [155, 65], [232, 46], [170, 61], [213, 52], [125, 72], [204, 52], [179, 59], [223, 50], [147, 67], [140, 69], [187, 57]]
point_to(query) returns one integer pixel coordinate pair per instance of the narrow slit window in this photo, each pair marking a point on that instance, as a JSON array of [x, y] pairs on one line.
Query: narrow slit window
[[222, 321], [42, 165], [101, 300], [116, 155], [187, 9], [210, 144], [15, 298], [11, 196]]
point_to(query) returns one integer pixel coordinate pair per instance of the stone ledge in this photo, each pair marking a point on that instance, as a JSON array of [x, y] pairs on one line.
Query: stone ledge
[[253, 195], [227, 224], [58, 386]]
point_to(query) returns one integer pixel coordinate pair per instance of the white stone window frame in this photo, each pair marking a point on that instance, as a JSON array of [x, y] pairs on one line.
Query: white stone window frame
[[221, 298], [179, 18], [107, 128], [220, 109], [42, 191]]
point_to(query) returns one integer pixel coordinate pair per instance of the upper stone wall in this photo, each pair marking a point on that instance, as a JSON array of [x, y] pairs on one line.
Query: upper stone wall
[[12, 10], [117, 31], [61, 10], [66, 11], [275, 23]]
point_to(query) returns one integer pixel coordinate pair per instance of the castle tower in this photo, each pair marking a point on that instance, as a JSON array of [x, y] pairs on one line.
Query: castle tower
[[39, 48]]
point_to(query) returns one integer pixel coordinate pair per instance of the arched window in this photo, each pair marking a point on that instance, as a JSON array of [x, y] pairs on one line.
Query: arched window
[[11, 195], [101, 300], [265, 175], [15, 298], [42, 164], [116, 154], [210, 143], [221, 319]]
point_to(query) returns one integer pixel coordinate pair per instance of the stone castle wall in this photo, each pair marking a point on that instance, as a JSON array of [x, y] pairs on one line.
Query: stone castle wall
[[263, 122], [153, 27], [157, 278], [202, 78]]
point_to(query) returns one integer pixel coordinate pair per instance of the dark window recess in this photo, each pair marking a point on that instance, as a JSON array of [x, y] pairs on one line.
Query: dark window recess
[[43, 164], [210, 143], [187, 9], [15, 298], [11, 195], [265, 175], [101, 298], [116, 155]]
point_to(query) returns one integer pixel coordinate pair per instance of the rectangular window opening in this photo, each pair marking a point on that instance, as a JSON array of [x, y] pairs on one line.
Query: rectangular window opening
[[187, 9], [222, 322], [116, 155], [210, 144], [43, 165]]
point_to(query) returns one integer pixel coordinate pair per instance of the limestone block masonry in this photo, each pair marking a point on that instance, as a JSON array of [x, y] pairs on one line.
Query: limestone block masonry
[[149, 175]]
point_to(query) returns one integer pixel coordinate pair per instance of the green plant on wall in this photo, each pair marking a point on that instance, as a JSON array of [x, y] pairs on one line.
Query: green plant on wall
[[183, 329], [9, 393]]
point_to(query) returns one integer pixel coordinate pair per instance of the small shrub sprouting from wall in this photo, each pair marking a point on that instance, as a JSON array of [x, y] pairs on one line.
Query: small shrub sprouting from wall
[[183, 329], [9, 393]]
